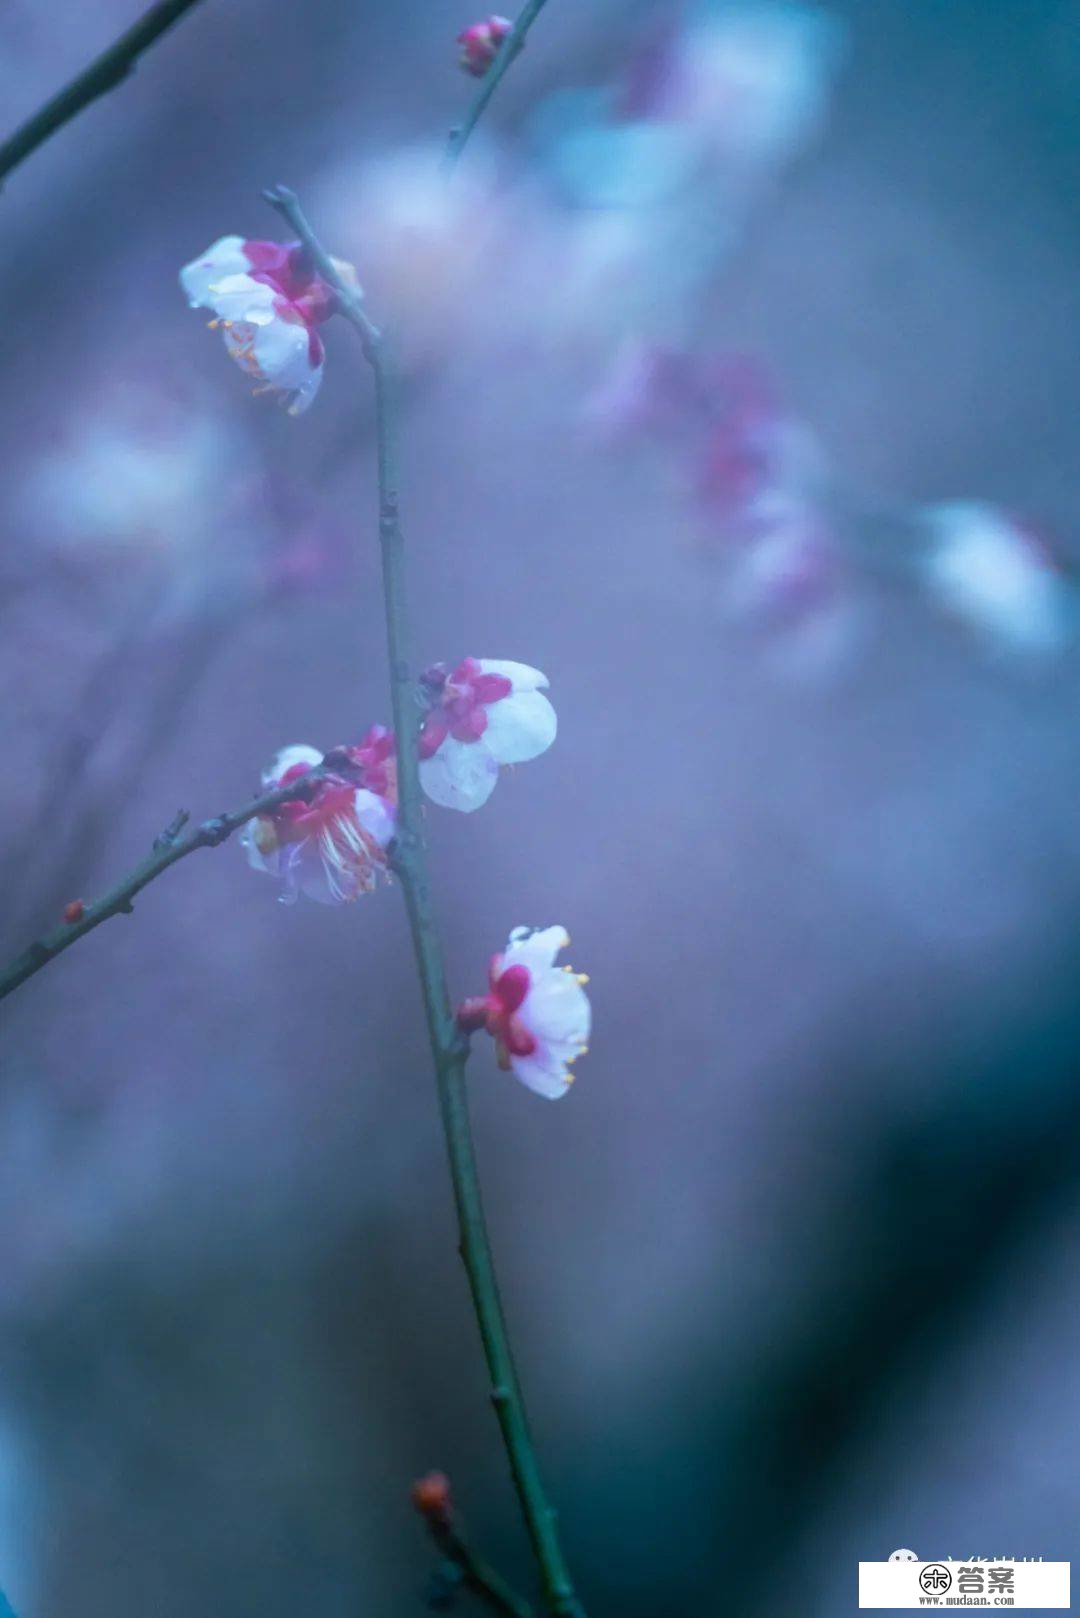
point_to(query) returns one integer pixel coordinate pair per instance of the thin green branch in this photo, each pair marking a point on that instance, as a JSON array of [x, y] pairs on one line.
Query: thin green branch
[[173, 844], [104, 74], [462, 1566], [483, 1580], [507, 54], [448, 1047]]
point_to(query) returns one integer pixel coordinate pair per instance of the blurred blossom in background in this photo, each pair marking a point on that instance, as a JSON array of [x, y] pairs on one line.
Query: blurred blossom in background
[[740, 397]]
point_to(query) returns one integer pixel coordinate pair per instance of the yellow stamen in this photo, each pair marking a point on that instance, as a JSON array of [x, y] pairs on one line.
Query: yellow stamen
[[213, 324]]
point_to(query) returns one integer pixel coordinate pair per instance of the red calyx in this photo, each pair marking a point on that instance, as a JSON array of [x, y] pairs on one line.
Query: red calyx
[[497, 1011]]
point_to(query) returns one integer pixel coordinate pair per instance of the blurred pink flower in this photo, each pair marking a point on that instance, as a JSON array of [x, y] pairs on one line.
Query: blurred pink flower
[[649, 389], [313, 559], [483, 714], [268, 301], [997, 574], [537, 1013], [333, 846], [480, 44]]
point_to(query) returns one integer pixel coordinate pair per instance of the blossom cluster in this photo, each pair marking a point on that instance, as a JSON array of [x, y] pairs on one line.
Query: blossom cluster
[[333, 844]]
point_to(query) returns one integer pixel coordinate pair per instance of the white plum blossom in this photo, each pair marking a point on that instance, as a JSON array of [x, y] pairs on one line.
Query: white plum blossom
[[537, 1013], [998, 575], [332, 845], [267, 300], [483, 714]]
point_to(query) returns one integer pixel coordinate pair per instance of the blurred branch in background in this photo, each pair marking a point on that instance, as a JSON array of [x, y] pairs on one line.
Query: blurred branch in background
[[79, 838], [172, 845], [104, 74]]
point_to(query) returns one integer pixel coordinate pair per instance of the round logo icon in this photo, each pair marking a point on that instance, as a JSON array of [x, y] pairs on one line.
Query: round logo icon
[[935, 1579], [903, 1556]]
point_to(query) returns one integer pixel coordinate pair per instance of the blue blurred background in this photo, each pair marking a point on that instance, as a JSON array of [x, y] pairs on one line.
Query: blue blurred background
[[720, 312]]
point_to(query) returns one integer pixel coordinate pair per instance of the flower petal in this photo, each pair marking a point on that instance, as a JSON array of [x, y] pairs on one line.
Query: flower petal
[[520, 675], [242, 300], [543, 1075], [534, 947], [268, 863], [288, 759], [520, 727], [225, 257], [282, 352], [558, 1014], [461, 775], [376, 816]]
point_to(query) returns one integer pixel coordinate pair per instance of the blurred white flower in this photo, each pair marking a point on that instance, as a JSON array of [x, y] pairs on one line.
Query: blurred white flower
[[537, 1013], [142, 480], [661, 169], [998, 575], [267, 300], [483, 714], [332, 846], [752, 79], [434, 255]]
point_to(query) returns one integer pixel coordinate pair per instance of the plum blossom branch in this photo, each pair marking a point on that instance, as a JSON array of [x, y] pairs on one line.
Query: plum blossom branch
[[507, 53], [173, 844], [104, 73], [449, 1048]]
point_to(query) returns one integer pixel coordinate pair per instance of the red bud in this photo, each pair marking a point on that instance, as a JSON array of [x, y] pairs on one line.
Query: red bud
[[432, 1499]]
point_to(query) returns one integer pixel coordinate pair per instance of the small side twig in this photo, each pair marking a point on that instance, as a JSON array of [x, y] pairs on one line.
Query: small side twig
[[170, 845], [104, 74], [508, 51], [460, 1565]]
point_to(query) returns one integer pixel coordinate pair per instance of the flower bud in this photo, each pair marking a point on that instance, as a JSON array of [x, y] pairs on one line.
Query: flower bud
[[480, 44], [74, 911], [432, 1498]]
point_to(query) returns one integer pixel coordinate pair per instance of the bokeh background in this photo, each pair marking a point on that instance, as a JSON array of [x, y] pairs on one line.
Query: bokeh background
[[794, 1268]]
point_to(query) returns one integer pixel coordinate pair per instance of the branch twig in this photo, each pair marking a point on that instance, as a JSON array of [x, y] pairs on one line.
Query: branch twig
[[460, 1565], [504, 59], [104, 74], [483, 1580], [171, 845], [449, 1049]]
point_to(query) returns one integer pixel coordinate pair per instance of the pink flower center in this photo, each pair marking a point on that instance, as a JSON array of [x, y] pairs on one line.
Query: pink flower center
[[459, 703], [373, 762], [299, 818], [370, 765], [303, 295]]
